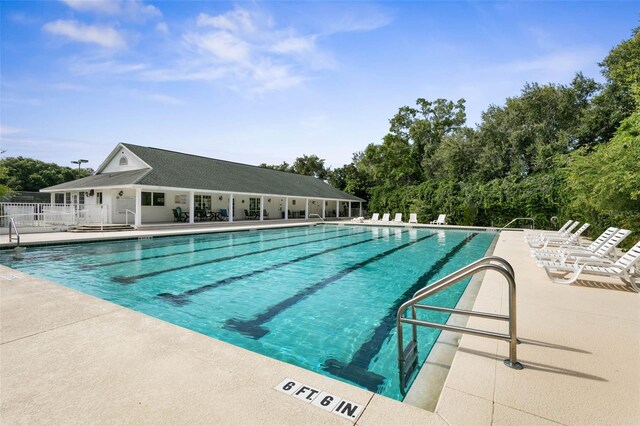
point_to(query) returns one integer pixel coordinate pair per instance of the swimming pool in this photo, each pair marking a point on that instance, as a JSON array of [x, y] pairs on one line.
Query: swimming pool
[[323, 298]]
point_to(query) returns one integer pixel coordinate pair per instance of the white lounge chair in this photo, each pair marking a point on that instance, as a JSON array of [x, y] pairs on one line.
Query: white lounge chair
[[549, 234], [375, 217], [572, 239], [385, 218], [562, 229], [624, 268], [441, 220], [398, 218], [413, 218], [559, 252], [602, 252]]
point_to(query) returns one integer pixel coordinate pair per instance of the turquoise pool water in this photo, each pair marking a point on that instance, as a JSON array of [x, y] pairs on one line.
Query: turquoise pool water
[[324, 298]]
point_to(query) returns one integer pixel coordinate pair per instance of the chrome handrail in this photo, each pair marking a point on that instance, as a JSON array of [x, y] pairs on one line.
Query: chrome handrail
[[504, 268], [12, 225], [314, 214], [533, 222]]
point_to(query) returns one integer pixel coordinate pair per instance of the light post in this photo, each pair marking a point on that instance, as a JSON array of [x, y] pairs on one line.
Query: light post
[[79, 163]]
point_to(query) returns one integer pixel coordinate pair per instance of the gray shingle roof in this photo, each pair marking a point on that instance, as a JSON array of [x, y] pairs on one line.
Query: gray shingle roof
[[178, 170], [102, 180]]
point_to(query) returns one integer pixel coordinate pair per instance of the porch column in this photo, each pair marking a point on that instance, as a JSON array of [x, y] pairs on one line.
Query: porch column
[[53, 198], [230, 211], [360, 211], [286, 208], [349, 215], [323, 207], [337, 209], [306, 208], [138, 220], [262, 207], [192, 210]]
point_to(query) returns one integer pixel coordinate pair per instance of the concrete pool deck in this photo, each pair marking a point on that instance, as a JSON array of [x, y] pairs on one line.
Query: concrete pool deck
[[67, 357]]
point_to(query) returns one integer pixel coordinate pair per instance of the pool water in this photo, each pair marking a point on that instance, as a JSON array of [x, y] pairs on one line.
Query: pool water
[[323, 298]]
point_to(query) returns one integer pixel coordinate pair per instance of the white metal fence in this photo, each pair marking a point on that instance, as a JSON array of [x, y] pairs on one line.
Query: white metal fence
[[47, 215]]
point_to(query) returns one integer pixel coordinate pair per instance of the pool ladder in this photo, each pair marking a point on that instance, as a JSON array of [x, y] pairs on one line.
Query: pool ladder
[[408, 356]]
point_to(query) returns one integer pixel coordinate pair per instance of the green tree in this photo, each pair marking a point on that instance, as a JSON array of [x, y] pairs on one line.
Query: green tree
[[284, 167], [620, 95], [27, 174], [604, 184], [310, 165]]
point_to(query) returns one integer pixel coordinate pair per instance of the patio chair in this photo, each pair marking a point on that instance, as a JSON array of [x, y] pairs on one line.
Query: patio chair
[[265, 214], [624, 268], [179, 215], [250, 216], [413, 218], [558, 252], [176, 216], [441, 220], [385, 218], [398, 218], [550, 234], [572, 239], [562, 229], [375, 217], [224, 215], [602, 252]]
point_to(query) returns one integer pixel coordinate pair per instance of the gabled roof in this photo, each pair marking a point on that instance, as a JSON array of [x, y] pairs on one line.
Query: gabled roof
[[177, 170]]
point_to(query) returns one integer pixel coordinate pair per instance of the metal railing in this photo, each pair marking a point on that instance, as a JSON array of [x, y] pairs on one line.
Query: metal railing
[[12, 226], [126, 218], [316, 215], [533, 222], [408, 357]]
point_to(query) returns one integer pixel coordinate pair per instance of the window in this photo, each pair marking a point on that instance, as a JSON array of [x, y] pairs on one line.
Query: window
[[153, 198], [81, 199], [59, 198], [98, 197], [67, 198], [124, 161], [158, 198], [254, 206], [202, 202]]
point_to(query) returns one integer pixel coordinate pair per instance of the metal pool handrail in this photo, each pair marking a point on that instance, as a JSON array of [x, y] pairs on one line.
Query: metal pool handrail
[[533, 222], [12, 225], [409, 355], [314, 214]]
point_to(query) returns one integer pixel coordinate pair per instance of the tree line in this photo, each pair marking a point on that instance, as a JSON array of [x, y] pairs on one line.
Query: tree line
[[554, 150]]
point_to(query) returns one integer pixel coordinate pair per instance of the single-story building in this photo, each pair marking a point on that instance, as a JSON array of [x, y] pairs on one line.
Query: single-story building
[[143, 185]]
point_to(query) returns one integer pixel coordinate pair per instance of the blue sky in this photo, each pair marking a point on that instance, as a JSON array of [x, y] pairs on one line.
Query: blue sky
[[269, 81]]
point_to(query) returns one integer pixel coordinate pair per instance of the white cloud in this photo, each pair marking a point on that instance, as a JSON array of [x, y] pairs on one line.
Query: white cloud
[[294, 45], [84, 67], [69, 87], [108, 7], [555, 66], [132, 10], [157, 97], [96, 34], [224, 46], [7, 131], [238, 20], [162, 27], [249, 49]]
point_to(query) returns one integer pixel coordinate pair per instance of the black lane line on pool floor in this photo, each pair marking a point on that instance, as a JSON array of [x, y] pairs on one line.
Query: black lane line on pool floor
[[357, 370], [253, 327], [132, 279], [183, 298], [160, 256], [160, 242]]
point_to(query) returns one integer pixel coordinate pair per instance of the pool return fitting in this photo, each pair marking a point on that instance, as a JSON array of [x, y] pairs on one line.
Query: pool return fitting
[[408, 356]]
